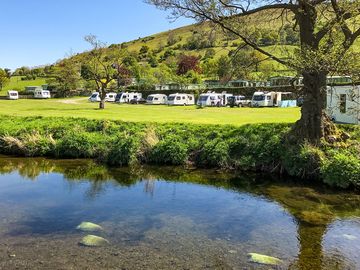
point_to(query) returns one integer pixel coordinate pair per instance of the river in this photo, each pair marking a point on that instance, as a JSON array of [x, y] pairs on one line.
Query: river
[[169, 218]]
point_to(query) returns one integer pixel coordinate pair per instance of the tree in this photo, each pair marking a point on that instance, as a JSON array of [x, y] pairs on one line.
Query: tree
[[65, 76], [4, 78], [187, 63], [100, 66], [327, 31]]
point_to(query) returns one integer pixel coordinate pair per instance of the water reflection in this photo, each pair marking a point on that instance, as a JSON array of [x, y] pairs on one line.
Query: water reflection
[[185, 214]]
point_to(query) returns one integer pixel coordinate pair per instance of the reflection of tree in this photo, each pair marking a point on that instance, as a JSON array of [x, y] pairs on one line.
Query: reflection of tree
[[149, 187], [314, 211]]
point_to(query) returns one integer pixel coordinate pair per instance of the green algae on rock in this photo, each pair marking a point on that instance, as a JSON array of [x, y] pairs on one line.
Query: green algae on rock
[[89, 227], [263, 259], [94, 241]]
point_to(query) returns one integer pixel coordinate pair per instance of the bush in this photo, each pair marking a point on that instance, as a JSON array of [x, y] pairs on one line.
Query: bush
[[342, 169], [170, 151], [123, 151], [214, 153]]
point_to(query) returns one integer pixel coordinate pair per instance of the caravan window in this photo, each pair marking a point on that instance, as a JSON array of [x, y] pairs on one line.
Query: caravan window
[[171, 98], [156, 98], [343, 103], [203, 98], [183, 97], [178, 98], [212, 98], [268, 97], [190, 97], [150, 98], [259, 98], [93, 96]]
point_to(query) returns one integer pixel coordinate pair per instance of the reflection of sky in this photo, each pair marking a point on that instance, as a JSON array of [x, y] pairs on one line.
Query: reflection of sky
[[342, 241], [52, 205]]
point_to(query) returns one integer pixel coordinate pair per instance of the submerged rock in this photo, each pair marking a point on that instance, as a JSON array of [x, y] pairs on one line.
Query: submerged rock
[[94, 241], [263, 259], [89, 227], [349, 237]]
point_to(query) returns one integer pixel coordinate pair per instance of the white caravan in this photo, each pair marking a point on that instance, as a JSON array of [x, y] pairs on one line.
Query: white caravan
[[181, 99], [127, 97], [343, 104], [13, 95], [95, 97], [156, 99], [210, 99], [273, 99], [42, 94]]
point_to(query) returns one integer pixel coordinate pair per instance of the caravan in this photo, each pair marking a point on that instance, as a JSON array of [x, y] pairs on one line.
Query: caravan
[[127, 97], [343, 104], [156, 99], [95, 97], [210, 99], [42, 94], [13, 95], [181, 99], [273, 99]]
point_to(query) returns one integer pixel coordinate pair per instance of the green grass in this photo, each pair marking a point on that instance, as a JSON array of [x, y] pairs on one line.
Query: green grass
[[17, 84], [80, 107]]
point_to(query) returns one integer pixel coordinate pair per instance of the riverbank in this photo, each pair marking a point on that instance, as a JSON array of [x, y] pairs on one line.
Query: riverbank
[[257, 147]]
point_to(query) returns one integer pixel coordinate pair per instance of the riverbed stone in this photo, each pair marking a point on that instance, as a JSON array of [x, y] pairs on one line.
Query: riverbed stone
[[89, 227], [94, 241], [263, 259]]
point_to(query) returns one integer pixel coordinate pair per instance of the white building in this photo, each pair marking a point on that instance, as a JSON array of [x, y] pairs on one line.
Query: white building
[[343, 104]]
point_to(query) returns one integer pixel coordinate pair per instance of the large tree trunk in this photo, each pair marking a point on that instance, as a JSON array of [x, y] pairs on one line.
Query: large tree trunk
[[314, 123], [102, 99]]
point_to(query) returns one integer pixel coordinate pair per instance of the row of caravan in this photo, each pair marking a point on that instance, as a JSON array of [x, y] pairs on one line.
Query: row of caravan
[[38, 94], [154, 99], [209, 99]]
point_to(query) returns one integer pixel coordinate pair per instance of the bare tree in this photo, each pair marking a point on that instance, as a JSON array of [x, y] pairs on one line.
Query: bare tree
[[327, 30], [99, 66]]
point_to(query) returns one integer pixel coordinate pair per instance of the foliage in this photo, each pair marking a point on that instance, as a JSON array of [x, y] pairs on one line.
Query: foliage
[[4, 78], [249, 147], [187, 63]]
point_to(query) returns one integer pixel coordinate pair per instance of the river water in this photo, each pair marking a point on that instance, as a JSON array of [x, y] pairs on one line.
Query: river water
[[169, 218]]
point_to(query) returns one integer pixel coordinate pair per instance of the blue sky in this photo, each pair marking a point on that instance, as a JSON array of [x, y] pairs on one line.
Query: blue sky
[[37, 32]]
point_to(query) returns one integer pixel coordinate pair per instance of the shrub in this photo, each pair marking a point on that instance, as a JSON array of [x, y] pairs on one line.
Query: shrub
[[170, 151], [123, 151], [214, 153], [342, 169]]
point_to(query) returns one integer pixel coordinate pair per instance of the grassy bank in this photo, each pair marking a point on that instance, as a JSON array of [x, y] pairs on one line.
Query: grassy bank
[[80, 107], [248, 147]]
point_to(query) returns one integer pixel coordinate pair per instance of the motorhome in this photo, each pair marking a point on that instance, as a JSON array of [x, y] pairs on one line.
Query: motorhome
[[13, 95], [42, 94], [210, 99], [156, 99], [95, 97], [127, 97], [273, 99], [181, 99], [343, 104]]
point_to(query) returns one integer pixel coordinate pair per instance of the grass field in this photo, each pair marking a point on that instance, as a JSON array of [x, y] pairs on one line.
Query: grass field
[[17, 84], [80, 107]]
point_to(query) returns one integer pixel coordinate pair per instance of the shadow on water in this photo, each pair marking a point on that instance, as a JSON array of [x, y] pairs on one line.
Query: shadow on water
[[314, 209]]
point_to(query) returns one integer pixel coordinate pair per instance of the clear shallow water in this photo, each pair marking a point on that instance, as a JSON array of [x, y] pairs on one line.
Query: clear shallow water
[[169, 218]]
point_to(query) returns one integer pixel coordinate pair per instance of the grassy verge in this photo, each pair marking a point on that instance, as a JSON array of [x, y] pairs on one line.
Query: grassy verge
[[80, 107], [249, 147]]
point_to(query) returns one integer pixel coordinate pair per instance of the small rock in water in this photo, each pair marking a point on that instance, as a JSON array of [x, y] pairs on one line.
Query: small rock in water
[[94, 241], [89, 227], [263, 259], [349, 237]]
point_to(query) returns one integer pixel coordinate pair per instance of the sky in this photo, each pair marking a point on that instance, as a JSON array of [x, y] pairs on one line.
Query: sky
[[39, 32]]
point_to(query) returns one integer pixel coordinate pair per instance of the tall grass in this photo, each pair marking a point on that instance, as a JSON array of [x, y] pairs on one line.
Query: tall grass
[[250, 147]]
